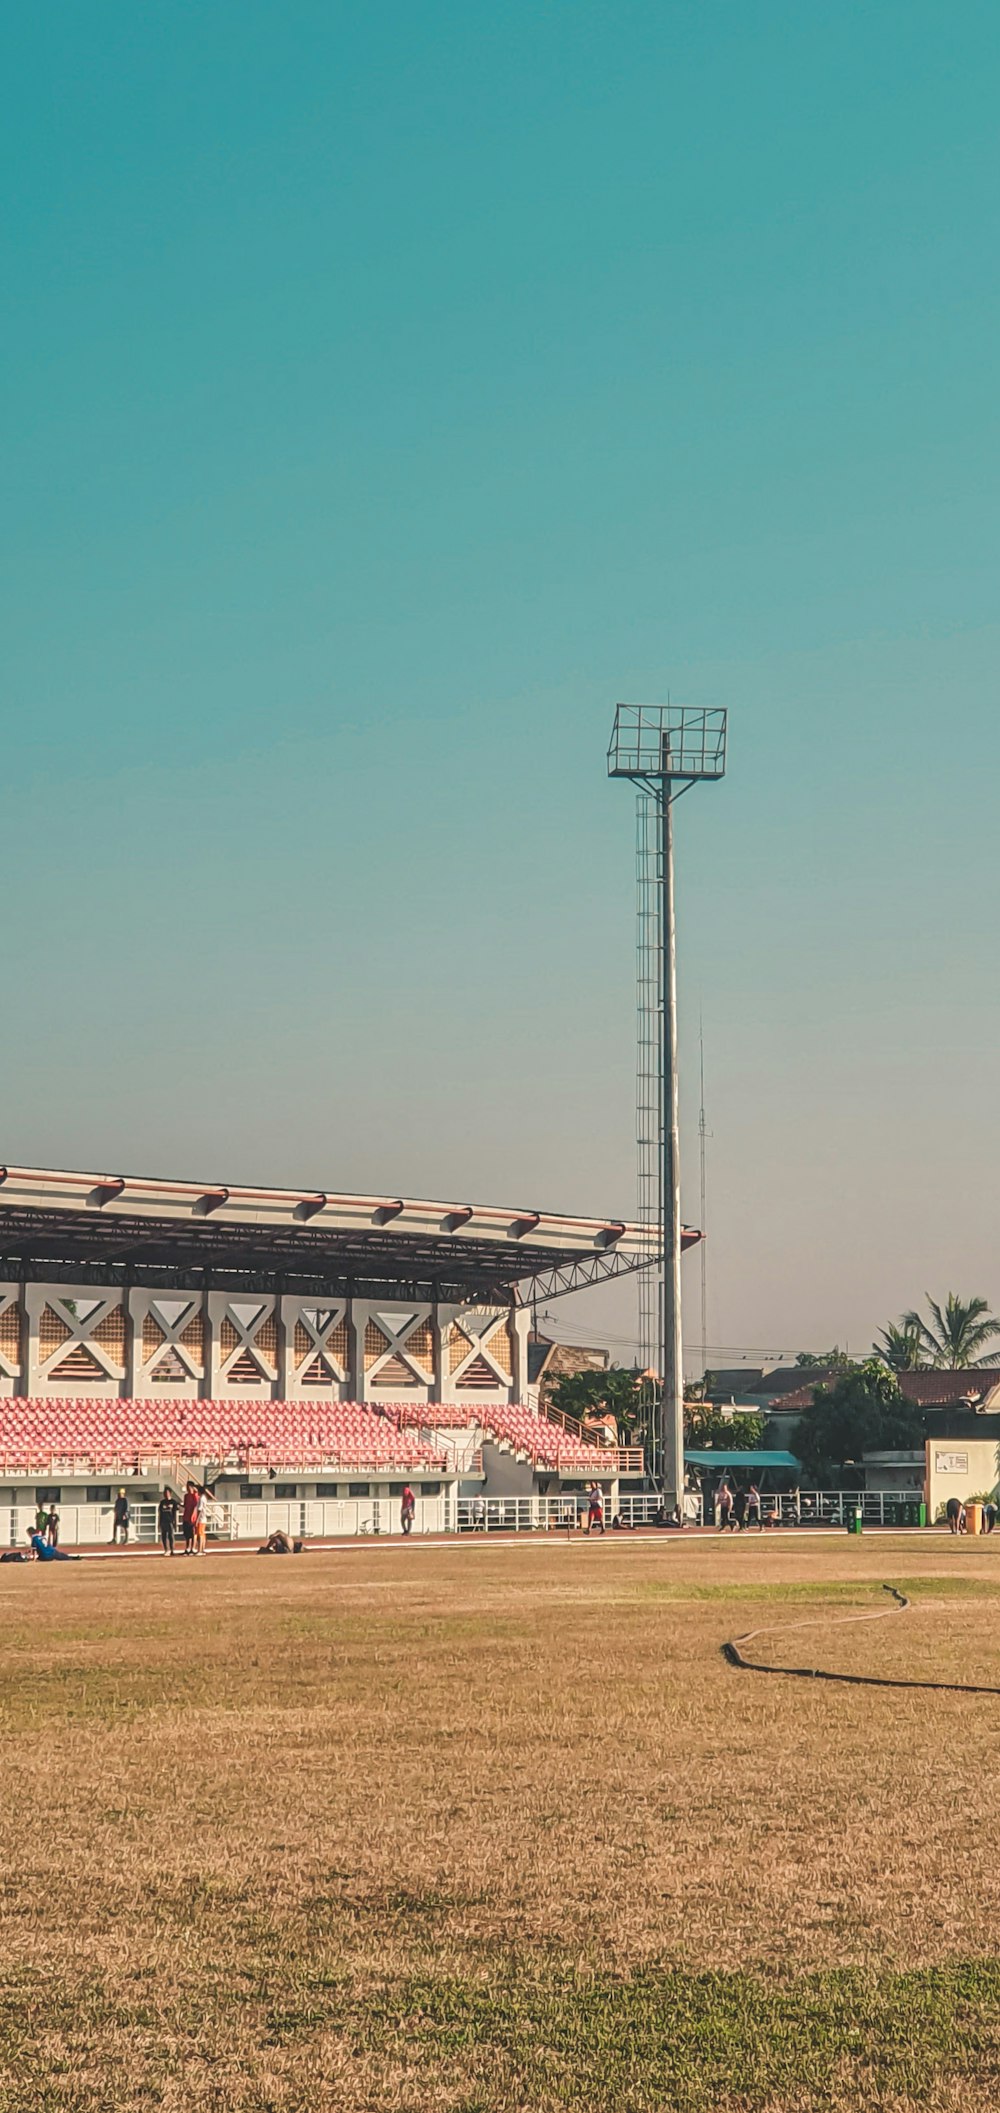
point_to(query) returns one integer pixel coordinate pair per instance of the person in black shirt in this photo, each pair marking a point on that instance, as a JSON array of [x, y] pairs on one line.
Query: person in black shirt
[[166, 1519]]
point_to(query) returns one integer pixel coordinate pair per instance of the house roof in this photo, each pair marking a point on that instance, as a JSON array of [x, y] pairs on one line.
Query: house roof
[[800, 1398], [927, 1389], [783, 1394], [937, 1390]]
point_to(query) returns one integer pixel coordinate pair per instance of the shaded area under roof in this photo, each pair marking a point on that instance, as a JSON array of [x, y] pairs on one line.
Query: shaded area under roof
[[720, 1459], [135, 1229]]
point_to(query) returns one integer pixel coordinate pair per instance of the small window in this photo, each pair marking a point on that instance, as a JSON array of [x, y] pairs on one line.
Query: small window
[[328, 1489], [99, 1493], [359, 1489], [48, 1496], [251, 1489], [286, 1489], [429, 1489], [396, 1489]]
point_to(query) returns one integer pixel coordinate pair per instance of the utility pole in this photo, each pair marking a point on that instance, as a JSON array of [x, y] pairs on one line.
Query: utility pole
[[666, 749]]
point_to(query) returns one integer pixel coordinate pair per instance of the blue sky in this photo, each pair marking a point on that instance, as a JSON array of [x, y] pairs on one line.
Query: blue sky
[[388, 392]]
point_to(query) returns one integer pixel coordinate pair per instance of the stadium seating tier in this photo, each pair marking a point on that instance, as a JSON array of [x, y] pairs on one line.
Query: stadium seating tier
[[261, 1432]]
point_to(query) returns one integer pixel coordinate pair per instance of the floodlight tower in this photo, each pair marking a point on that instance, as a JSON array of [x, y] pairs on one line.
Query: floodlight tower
[[665, 749]]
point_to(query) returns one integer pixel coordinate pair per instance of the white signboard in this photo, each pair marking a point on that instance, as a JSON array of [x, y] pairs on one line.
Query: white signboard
[[951, 1463]]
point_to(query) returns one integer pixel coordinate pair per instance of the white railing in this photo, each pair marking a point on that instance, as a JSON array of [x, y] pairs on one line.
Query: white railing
[[344, 1518], [242, 1519], [832, 1507], [643, 1510], [522, 1514]]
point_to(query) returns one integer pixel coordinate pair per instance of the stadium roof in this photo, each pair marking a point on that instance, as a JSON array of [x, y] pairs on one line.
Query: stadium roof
[[135, 1229]]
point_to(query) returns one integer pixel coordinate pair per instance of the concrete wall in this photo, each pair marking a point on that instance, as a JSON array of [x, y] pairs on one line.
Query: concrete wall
[[74, 1339], [505, 1476], [960, 1467], [904, 1472]]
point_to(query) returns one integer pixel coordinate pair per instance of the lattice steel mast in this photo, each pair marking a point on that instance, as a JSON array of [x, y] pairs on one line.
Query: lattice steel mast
[[649, 1042], [665, 749]]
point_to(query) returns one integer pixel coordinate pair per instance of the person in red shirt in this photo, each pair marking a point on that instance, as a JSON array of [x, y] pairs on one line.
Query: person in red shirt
[[407, 1509], [189, 1516]]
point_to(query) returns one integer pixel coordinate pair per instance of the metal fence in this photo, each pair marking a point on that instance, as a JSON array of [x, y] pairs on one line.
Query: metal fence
[[833, 1507], [91, 1525], [517, 1514], [344, 1518], [643, 1510]]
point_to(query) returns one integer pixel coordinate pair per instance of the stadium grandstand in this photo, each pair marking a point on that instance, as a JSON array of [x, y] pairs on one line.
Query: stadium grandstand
[[289, 1348]]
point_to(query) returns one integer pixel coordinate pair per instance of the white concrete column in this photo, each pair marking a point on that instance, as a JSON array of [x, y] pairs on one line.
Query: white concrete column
[[284, 1314], [520, 1328], [356, 1317], [34, 1300], [441, 1327], [210, 1338], [136, 1304]]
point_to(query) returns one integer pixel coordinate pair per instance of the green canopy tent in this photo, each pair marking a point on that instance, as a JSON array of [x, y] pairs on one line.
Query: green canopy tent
[[762, 1460]]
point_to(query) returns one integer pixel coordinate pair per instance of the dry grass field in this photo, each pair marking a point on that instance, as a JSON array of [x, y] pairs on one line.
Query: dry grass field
[[488, 1827]]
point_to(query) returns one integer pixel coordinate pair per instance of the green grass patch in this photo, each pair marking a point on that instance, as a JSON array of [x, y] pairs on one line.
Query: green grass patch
[[803, 1592], [510, 2034], [524, 2039], [866, 1592]]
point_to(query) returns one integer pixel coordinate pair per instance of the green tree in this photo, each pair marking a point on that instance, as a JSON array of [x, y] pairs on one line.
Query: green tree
[[705, 1426], [862, 1411], [835, 1360], [957, 1332], [901, 1348], [617, 1392]]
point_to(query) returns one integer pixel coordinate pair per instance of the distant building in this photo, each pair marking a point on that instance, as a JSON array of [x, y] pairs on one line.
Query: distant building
[[972, 1392], [549, 1361], [733, 1383]]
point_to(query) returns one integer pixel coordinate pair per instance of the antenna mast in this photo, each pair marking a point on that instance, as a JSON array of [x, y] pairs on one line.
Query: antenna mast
[[702, 1134], [664, 750]]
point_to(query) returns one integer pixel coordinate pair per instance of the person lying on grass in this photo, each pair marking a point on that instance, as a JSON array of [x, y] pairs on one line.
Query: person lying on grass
[[46, 1553]]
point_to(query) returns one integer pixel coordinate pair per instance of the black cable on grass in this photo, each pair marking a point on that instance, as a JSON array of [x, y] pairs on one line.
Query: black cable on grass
[[734, 1656]]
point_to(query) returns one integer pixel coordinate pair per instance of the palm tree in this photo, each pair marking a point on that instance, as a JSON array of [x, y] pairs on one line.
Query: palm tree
[[902, 1347], [961, 1328]]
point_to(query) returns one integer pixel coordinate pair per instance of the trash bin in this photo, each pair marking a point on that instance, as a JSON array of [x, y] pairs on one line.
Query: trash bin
[[905, 1511], [853, 1517], [973, 1518], [921, 1515]]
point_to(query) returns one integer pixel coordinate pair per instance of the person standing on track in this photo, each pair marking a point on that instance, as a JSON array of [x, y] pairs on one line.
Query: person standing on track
[[407, 1509], [166, 1519], [52, 1527], [753, 1507], [189, 1512], [724, 1500], [121, 1520], [595, 1509]]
